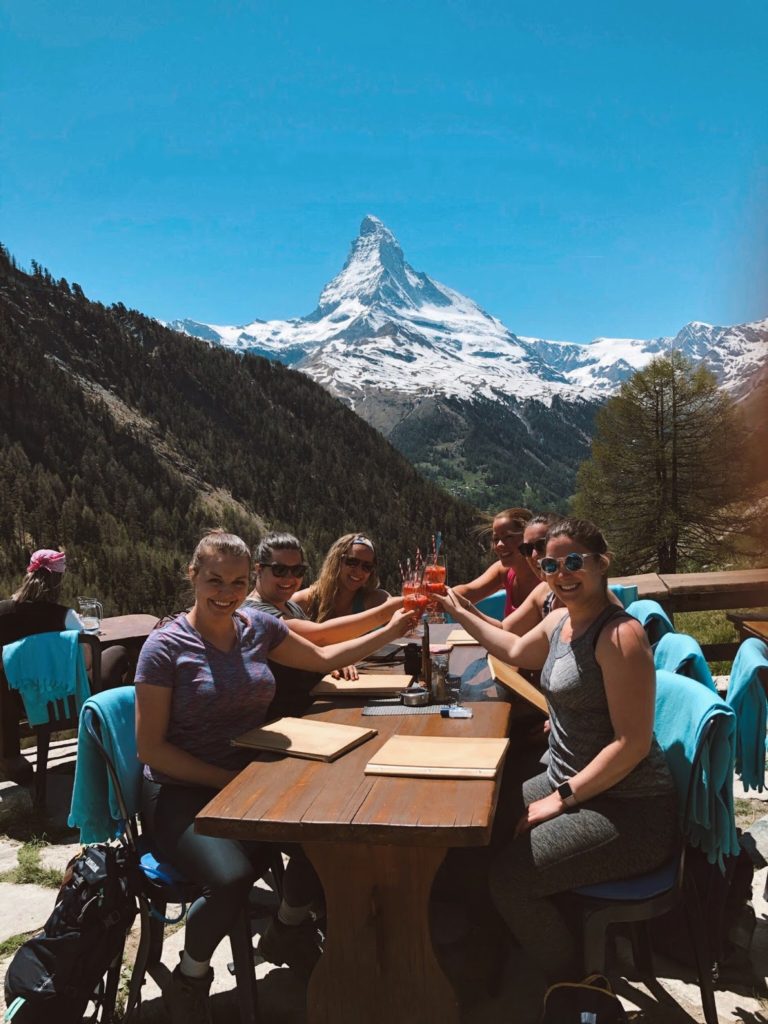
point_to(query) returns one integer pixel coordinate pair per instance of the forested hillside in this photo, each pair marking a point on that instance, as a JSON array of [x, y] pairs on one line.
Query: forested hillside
[[123, 440]]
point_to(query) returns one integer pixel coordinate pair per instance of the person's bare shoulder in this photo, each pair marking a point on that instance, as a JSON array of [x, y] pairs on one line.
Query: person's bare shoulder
[[301, 598]]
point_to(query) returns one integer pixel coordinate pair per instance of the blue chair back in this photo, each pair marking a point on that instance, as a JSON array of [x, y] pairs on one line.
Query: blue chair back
[[747, 695], [680, 653], [625, 593], [653, 619], [696, 730], [494, 605], [105, 796]]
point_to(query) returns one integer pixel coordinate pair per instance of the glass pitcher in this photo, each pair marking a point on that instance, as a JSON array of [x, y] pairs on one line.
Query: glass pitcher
[[91, 613]]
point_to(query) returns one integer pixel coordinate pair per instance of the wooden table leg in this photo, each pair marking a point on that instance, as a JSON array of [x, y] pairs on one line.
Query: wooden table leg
[[378, 965]]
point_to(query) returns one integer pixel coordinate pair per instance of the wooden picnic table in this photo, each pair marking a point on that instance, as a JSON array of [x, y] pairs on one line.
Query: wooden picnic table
[[649, 586], [376, 843], [122, 629], [749, 626], [709, 591]]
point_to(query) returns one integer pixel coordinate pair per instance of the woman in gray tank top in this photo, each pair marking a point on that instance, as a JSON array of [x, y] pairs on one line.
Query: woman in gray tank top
[[605, 808]]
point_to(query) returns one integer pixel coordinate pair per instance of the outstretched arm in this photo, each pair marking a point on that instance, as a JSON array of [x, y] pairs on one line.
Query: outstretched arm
[[488, 583], [297, 652], [529, 651], [346, 627]]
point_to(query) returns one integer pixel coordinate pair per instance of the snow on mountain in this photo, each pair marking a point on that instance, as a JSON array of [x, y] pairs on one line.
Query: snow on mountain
[[382, 326]]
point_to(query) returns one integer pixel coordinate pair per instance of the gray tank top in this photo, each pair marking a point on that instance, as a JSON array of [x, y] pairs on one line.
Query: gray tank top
[[580, 721]]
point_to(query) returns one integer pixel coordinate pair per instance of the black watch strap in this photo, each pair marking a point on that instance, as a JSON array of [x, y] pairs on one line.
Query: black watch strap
[[566, 794]]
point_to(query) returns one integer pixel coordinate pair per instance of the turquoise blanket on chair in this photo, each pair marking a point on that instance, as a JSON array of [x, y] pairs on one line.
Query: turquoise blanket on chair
[[748, 699], [95, 809], [680, 653], [683, 709], [653, 618], [45, 668]]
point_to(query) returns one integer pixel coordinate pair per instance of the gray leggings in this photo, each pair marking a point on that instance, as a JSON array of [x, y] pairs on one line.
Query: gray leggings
[[604, 839], [225, 869]]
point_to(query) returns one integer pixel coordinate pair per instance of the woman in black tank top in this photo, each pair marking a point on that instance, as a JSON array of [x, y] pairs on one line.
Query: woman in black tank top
[[606, 806]]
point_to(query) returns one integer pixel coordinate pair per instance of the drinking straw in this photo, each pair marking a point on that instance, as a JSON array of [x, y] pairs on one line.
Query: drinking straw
[[436, 545]]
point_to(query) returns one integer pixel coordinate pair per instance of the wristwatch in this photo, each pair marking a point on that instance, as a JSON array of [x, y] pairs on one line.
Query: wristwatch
[[567, 794]]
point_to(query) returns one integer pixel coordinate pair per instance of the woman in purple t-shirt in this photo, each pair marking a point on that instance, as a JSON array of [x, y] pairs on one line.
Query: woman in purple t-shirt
[[202, 680]]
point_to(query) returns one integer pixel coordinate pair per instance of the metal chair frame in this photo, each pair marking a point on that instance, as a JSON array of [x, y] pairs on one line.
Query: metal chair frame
[[601, 912], [154, 900]]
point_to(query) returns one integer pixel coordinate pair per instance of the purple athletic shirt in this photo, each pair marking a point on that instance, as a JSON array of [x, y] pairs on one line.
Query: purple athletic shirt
[[217, 695]]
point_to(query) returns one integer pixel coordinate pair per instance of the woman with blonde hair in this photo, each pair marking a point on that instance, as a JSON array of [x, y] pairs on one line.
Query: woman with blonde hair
[[348, 582], [202, 680]]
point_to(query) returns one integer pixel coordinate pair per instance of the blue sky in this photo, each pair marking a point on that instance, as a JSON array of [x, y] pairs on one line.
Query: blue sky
[[578, 169]]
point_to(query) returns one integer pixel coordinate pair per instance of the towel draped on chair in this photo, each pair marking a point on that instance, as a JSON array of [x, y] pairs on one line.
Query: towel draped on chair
[[680, 653], [683, 706], [46, 668], [653, 619], [748, 699], [95, 810]]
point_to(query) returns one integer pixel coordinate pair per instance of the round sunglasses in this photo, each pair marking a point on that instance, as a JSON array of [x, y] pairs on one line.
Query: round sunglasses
[[573, 562], [282, 571]]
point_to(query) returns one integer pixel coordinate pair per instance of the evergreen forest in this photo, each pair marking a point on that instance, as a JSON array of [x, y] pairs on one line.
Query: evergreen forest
[[122, 441]]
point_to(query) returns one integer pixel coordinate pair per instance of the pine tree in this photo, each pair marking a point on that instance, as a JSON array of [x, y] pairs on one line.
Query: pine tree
[[666, 469]]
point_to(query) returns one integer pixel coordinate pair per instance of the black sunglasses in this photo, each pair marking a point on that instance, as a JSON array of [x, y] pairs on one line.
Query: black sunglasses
[[281, 570], [527, 548], [573, 562], [358, 563]]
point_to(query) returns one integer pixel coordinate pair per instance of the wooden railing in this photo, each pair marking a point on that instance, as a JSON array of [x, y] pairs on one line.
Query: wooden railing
[[704, 591]]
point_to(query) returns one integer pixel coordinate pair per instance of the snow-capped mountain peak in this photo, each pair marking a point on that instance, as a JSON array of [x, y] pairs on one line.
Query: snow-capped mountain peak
[[381, 326], [376, 275]]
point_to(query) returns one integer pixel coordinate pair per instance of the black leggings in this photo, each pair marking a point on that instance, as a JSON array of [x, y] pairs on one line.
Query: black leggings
[[224, 868]]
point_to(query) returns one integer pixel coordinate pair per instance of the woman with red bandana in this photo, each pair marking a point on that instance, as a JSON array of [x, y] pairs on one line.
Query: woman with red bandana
[[33, 609]]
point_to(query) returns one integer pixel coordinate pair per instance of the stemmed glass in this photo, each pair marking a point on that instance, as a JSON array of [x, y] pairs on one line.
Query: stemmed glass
[[415, 598], [434, 583]]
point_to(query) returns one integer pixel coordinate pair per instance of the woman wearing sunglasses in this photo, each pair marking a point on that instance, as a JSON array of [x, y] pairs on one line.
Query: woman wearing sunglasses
[[280, 568], [511, 572], [348, 582], [605, 807], [542, 599]]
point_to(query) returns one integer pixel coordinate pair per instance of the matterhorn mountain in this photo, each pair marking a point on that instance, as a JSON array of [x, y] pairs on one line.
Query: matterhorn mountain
[[492, 415]]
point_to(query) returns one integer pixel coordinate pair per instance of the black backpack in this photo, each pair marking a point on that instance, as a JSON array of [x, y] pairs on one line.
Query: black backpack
[[591, 1001], [56, 974]]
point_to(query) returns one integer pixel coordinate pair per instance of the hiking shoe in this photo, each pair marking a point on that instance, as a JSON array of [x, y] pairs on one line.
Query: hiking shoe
[[298, 946], [186, 999]]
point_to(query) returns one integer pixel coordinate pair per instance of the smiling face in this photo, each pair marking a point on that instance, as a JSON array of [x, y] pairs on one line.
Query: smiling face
[[353, 577], [504, 540], [586, 584], [220, 584], [274, 589]]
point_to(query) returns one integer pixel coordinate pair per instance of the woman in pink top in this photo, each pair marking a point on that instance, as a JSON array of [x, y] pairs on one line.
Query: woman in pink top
[[511, 572]]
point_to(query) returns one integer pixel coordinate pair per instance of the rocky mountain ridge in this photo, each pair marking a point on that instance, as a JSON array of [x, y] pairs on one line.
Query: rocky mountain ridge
[[381, 326]]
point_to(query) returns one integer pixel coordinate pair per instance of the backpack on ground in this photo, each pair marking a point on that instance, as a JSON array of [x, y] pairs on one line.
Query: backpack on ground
[[56, 974], [724, 897], [591, 1001]]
